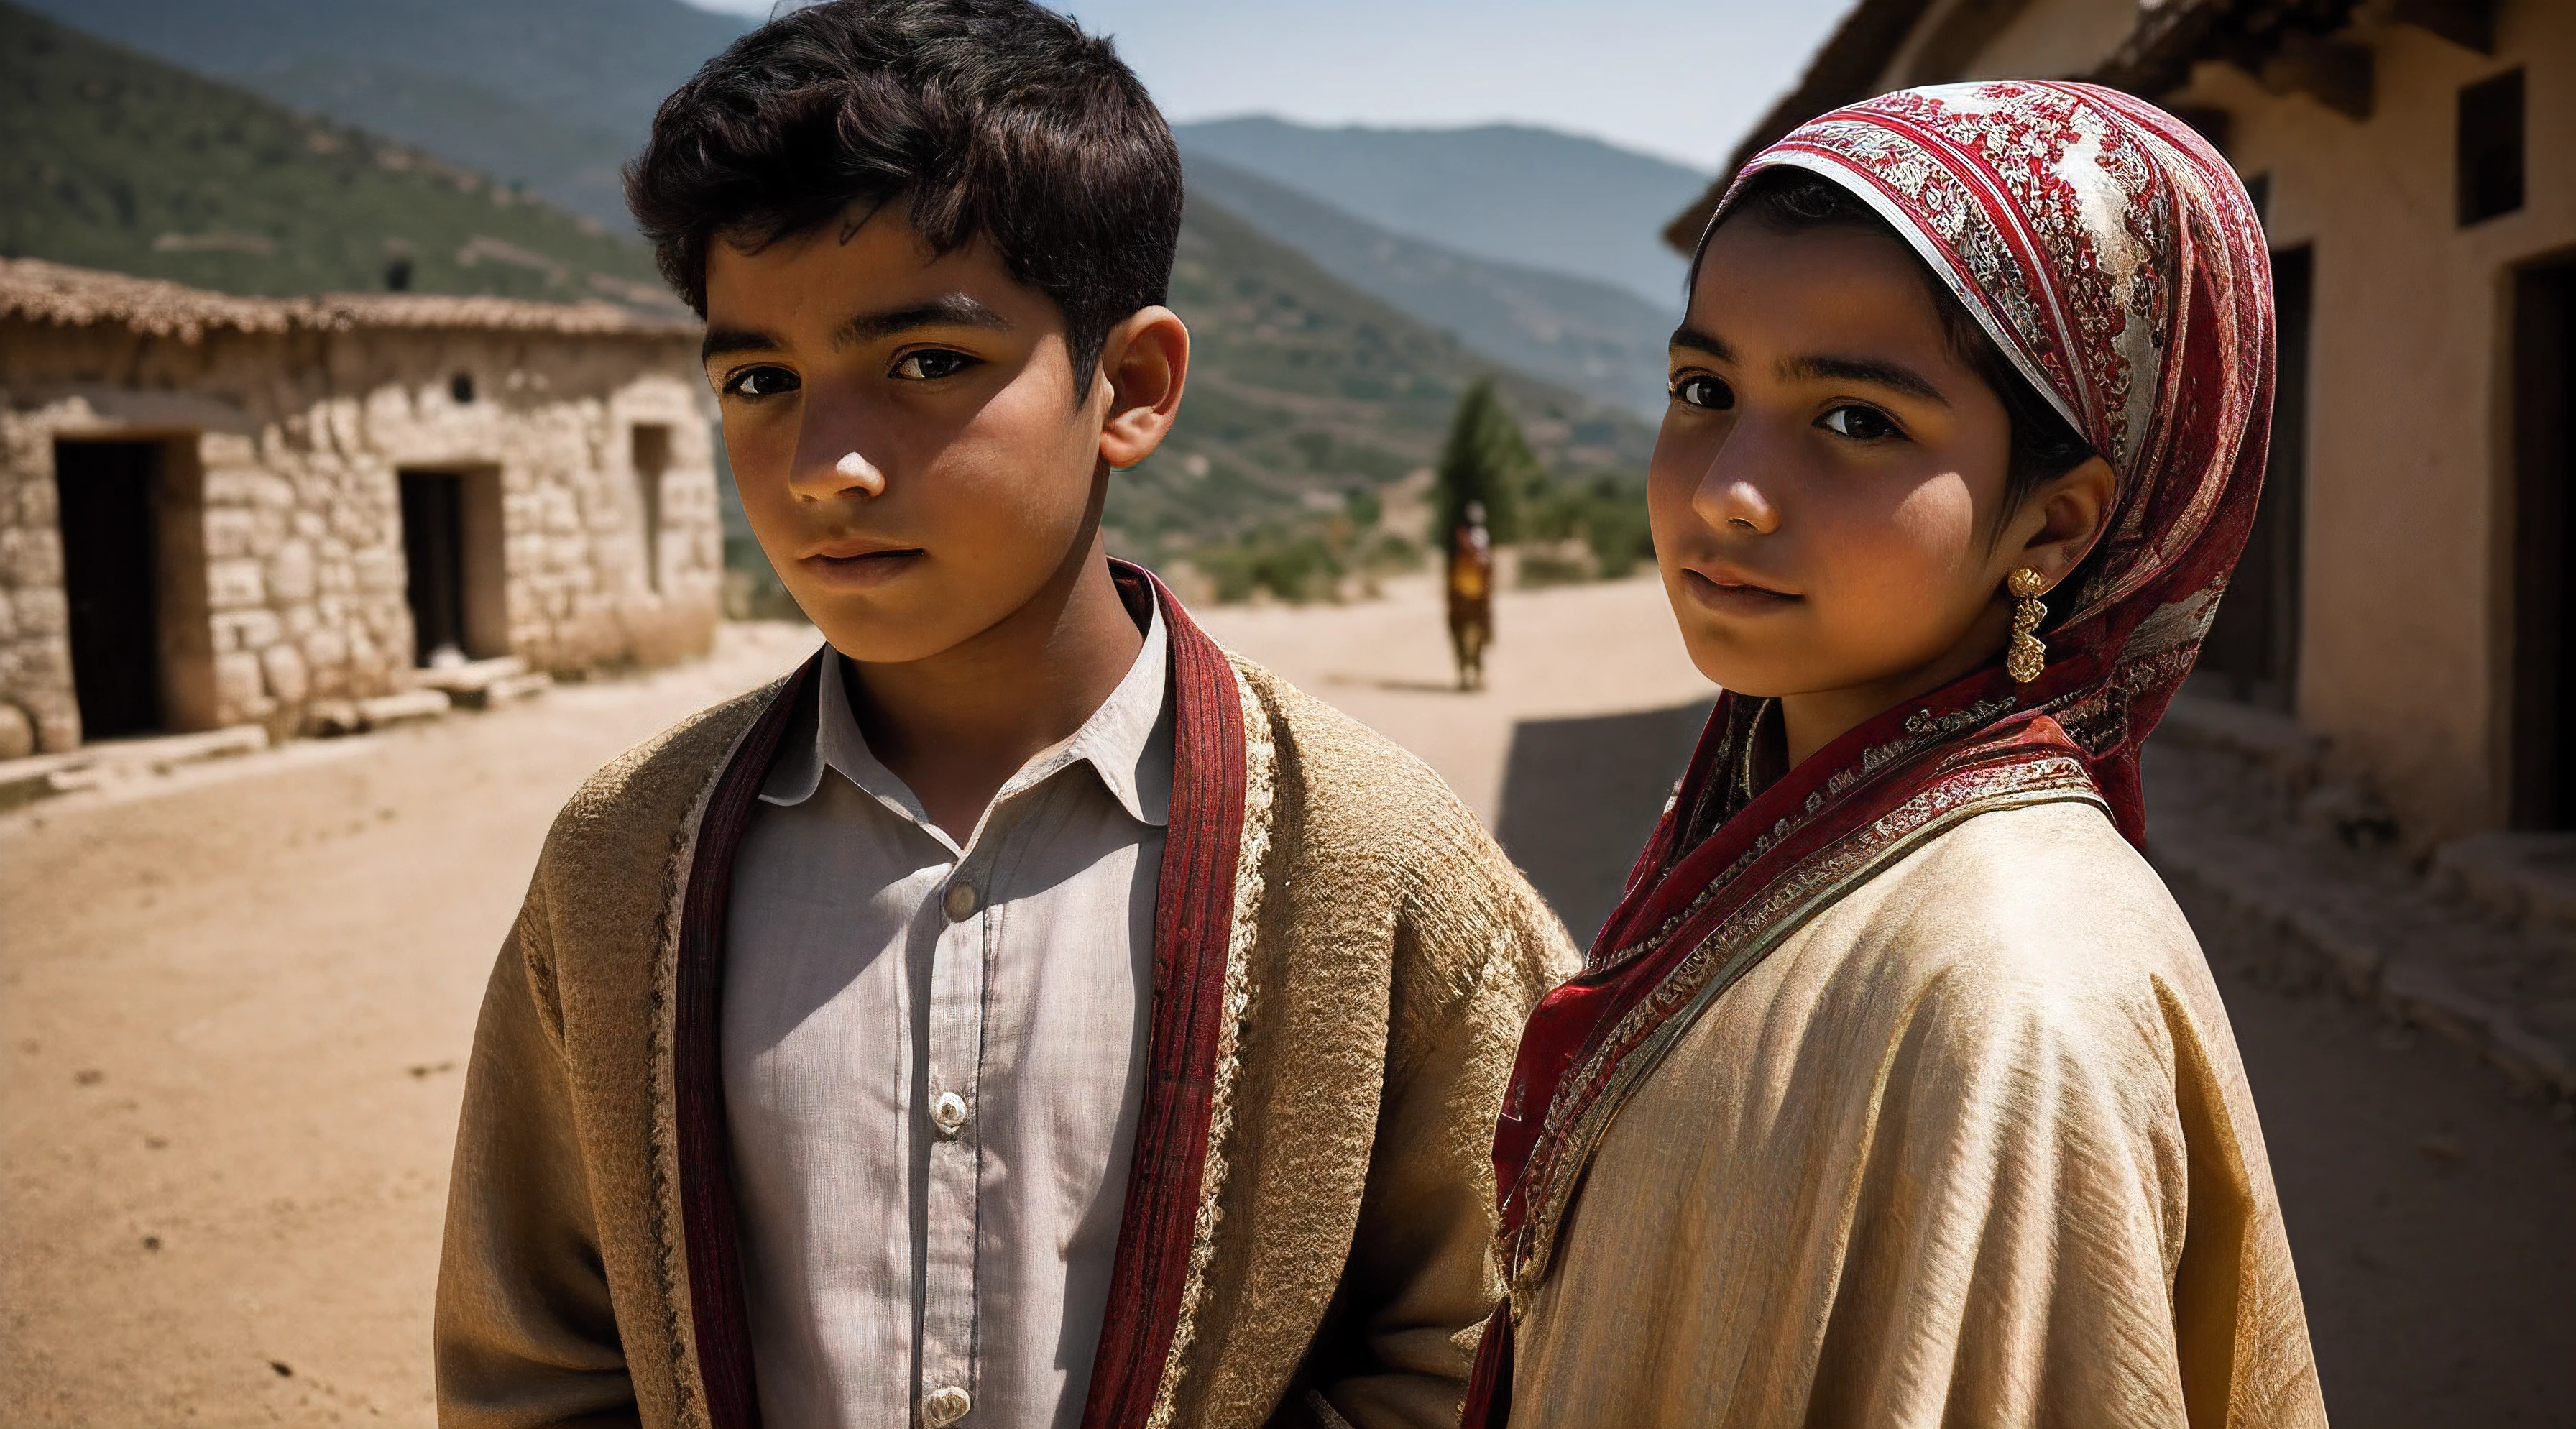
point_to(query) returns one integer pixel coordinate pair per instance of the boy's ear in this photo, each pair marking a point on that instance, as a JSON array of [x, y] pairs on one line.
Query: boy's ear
[[2067, 516], [1146, 362]]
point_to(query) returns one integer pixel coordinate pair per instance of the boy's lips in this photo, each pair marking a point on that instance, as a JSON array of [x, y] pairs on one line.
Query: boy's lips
[[859, 563]]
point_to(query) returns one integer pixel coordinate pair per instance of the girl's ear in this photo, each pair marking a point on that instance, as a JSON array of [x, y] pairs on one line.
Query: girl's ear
[[2061, 521]]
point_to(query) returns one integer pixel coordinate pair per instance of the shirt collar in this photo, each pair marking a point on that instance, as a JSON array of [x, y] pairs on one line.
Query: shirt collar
[[1127, 742]]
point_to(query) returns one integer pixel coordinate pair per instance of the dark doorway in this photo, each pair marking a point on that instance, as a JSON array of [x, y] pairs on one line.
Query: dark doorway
[[2543, 705], [106, 493], [452, 544], [2252, 653], [433, 518]]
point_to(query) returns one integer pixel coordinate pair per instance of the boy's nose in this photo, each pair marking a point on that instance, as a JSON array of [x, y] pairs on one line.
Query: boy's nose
[[826, 469]]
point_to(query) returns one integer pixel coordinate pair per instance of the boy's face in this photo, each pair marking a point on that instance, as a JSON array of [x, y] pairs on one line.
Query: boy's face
[[1828, 473], [906, 433]]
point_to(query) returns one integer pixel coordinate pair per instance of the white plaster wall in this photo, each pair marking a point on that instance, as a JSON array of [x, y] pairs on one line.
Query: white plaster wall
[[2405, 635]]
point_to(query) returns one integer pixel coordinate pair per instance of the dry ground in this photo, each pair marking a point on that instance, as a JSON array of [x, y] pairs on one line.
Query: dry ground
[[233, 1005]]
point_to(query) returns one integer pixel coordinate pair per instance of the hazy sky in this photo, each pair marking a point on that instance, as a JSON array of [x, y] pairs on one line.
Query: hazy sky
[[1681, 78]]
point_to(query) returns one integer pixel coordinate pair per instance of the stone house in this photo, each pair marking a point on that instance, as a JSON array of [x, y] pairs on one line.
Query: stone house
[[218, 510], [2409, 593]]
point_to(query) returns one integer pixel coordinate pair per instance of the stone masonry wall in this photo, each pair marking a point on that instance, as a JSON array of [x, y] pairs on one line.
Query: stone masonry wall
[[36, 706], [301, 437]]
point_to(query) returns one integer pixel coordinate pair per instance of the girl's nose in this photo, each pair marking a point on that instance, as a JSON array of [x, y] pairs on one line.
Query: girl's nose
[[1729, 499]]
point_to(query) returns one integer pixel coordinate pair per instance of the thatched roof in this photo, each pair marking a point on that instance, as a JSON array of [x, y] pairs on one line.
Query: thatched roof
[[58, 295], [2155, 59]]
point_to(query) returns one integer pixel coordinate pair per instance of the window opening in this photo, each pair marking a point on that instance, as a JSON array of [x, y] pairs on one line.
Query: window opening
[[650, 448], [2490, 157]]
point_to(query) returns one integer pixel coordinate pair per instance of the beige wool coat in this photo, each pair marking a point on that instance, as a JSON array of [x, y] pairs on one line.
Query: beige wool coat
[[1381, 958]]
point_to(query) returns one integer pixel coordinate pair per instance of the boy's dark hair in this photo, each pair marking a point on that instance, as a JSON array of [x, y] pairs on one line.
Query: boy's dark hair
[[2044, 444], [992, 119]]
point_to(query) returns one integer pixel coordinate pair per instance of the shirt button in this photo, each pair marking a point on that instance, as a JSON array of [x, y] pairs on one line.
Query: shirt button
[[948, 1113], [960, 904], [945, 1405]]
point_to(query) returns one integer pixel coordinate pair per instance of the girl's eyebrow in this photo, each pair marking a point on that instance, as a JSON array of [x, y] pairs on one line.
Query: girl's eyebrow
[[1692, 338], [1894, 376]]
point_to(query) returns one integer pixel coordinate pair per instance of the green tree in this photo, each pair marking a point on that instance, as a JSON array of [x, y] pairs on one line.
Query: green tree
[[1615, 526], [1486, 459]]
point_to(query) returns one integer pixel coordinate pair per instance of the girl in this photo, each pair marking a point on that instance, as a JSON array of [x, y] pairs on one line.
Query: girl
[[1896, 1090]]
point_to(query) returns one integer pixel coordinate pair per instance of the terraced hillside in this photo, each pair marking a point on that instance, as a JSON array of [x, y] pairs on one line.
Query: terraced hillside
[[557, 93], [113, 160]]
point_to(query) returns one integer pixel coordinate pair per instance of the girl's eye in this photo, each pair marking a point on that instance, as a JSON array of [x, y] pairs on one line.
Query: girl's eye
[[758, 382], [931, 364], [1861, 424], [1701, 390]]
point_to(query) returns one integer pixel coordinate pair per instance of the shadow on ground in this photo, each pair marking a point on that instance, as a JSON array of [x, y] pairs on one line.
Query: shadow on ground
[[1580, 796]]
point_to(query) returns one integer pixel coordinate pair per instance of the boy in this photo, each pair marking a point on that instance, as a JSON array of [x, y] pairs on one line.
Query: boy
[[1025, 1013]]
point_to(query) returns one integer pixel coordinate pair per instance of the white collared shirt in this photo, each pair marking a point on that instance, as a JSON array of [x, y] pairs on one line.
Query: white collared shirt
[[933, 1063]]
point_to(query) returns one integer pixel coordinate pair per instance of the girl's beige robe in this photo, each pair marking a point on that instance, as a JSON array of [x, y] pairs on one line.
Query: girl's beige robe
[[1972, 1147]]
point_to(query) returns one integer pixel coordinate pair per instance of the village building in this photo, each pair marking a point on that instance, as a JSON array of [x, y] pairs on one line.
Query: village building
[[218, 511], [2408, 594]]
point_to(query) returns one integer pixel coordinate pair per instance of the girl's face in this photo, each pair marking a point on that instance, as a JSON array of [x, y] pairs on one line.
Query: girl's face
[[1825, 493]]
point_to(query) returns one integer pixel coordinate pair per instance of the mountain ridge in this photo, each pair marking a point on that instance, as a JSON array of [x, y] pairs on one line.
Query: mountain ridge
[[1597, 339], [1470, 188]]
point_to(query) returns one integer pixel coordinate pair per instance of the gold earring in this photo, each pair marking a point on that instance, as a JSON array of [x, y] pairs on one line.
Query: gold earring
[[2027, 657]]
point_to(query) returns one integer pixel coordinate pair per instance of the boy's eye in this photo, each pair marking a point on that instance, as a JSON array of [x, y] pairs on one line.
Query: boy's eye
[[1701, 390], [931, 364], [1861, 424], [758, 382]]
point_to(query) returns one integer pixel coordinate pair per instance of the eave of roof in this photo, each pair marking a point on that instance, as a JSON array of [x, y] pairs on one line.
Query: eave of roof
[[2153, 61], [60, 295]]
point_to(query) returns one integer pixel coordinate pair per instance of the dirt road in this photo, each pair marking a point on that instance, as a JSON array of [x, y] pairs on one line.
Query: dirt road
[[233, 1006]]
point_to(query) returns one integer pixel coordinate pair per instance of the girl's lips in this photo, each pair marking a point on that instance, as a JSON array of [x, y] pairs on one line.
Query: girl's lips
[[1730, 597]]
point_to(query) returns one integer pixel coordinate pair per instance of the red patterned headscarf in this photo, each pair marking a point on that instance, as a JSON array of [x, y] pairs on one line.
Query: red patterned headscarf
[[2116, 260]]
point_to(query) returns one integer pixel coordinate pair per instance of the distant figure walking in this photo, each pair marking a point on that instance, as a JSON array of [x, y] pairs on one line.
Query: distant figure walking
[[1471, 595]]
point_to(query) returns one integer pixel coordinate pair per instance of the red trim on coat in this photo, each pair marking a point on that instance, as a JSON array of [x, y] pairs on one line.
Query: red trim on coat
[[1193, 925], [709, 1230]]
